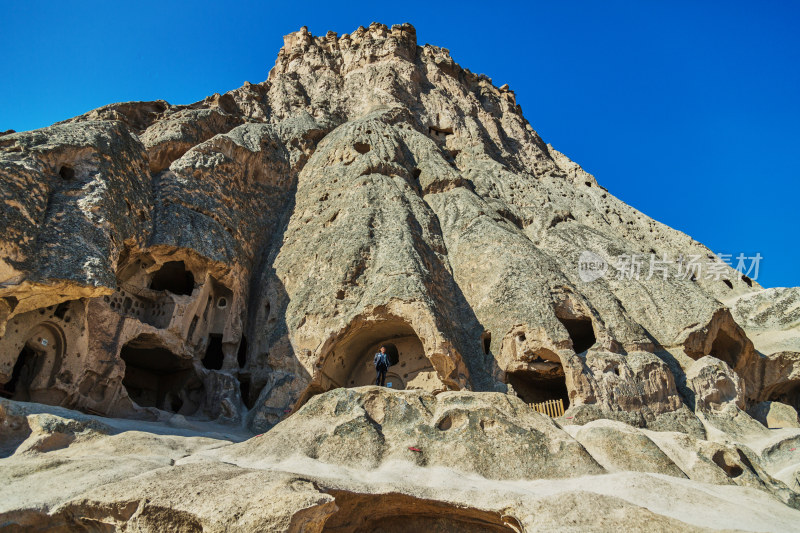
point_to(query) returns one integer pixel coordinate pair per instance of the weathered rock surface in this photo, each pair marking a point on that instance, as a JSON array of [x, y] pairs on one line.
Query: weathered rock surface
[[490, 434], [231, 260], [122, 475], [265, 241], [775, 415]]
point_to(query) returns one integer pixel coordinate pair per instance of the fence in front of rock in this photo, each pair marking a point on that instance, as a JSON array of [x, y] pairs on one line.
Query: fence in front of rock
[[551, 408]]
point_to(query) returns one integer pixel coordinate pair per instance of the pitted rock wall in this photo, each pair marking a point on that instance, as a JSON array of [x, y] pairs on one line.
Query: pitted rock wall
[[252, 245]]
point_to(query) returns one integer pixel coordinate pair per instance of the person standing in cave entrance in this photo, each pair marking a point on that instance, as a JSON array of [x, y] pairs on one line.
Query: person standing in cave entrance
[[381, 362]]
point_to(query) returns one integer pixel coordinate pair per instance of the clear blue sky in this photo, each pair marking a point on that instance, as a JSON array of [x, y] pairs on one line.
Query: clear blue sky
[[687, 110]]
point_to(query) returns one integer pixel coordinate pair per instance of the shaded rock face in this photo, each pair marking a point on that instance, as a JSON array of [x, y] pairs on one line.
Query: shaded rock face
[[232, 258]]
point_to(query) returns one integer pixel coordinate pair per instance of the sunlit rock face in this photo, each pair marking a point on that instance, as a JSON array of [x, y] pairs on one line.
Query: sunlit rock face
[[230, 259]]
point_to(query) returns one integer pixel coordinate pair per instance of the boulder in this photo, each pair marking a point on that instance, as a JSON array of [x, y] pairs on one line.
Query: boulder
[[775, 415]]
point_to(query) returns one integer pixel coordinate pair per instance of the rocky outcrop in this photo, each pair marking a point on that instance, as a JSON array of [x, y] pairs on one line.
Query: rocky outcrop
[[490, 434], [347, 451], [775, 415], [264, 242], [232, 266]]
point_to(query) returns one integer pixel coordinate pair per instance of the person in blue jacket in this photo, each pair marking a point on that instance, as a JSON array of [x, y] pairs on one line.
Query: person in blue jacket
[[381, 362]]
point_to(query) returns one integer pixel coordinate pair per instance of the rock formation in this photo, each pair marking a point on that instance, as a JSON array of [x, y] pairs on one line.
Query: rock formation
[[231, 260]]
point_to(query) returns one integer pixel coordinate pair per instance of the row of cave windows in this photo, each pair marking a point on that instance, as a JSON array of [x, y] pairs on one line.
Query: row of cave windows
[[529, 386], [159, 393], [171, 384]]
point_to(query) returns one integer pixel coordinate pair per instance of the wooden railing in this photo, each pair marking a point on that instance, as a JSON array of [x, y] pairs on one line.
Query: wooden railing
[[551, 408]]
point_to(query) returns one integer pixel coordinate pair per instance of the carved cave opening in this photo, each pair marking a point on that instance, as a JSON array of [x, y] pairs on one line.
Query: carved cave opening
[[156, 377], [248, 391], [32, 373], [241, 354], [397, 513], [439, 133], [726, 348], [350, 362], [486, 340], [214, 356], [173, 277], [581, 332], [545, 382], [26, 368], [67, 173]]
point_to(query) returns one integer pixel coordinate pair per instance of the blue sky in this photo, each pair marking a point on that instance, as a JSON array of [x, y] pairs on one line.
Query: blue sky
[[686, 110]]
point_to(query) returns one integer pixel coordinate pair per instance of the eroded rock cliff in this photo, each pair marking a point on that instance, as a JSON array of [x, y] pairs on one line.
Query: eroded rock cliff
[[230, 267], [229, 259]]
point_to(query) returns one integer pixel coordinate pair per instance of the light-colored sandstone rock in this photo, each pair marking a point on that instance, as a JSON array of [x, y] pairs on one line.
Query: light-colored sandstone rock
[[716, 387], [115, 476], [490, 434], [369, 190], [775, 415]]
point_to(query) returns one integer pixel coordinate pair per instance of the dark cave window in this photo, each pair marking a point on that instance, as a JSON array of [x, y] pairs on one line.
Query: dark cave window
[[67, 173], [214, 356], [22, 375], [241, 355], [726, 348], [173, 277], [156, 377], [535, 387], [487, 343], [581, 332]]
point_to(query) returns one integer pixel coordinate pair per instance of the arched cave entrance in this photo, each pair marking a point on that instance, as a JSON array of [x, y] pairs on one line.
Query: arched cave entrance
[[543, 380], [726, 348], [349, 363], [214, 357], [28, 364], [398, 513], [173, 277], [37, 364], [156, 377]]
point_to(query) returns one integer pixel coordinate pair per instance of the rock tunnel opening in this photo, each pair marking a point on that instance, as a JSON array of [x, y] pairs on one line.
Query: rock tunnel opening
[[30, 376], [350, 361], [246, 392], [67, 173], [25, 370], [581, 332], [726, 348], [439, 133], [241, 354], [214, 356], [546, 382], [156, 377], [398, 513], [727, 463], [486, 341], [173, 277]]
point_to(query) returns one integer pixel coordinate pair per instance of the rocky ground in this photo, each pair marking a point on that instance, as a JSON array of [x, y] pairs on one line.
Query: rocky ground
[[372, 459]]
